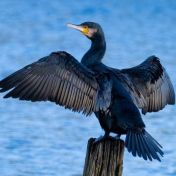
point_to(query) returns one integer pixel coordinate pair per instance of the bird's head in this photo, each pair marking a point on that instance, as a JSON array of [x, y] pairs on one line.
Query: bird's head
[[89, 29]]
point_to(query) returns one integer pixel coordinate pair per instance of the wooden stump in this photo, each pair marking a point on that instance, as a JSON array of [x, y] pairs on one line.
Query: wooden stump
[[104, 158]]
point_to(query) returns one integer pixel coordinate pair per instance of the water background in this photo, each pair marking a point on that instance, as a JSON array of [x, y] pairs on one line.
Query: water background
[[42, 139]]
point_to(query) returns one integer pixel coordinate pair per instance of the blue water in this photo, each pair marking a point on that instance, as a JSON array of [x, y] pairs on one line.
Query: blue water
[[42, 139]]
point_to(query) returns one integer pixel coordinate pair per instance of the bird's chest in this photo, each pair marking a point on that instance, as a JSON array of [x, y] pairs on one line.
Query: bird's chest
[[111, 119], [109, 122]]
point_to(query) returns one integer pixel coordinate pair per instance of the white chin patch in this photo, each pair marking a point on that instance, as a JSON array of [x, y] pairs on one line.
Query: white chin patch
[[91, 32]]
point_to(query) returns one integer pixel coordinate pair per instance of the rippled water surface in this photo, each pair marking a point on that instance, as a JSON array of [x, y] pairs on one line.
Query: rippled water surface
[[44, 139]]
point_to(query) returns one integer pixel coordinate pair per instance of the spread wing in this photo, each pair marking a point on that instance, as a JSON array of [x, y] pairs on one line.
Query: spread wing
[[149, 85], [59, 78]]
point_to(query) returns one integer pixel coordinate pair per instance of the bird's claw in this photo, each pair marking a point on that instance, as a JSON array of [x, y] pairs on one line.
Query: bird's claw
[[117, 137], [100, 139]]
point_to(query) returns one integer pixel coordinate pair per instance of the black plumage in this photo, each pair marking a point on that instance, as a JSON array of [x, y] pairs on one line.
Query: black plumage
[[91, 87]]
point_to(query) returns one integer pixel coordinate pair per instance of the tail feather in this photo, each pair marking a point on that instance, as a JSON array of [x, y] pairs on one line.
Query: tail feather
[[128, 142], [142, 151], [146, 151], [134, 150], [156, 146], [136, 144], [151, 152], [141, 143], [153, 139]]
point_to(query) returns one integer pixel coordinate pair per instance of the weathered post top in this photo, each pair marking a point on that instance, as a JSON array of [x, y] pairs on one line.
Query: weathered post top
[[104, 158]]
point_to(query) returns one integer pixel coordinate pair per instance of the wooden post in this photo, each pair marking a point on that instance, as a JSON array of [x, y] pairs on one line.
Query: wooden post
[[104, 158]]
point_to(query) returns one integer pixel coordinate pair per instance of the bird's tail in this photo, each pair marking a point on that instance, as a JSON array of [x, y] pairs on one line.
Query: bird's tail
[[141, 143]]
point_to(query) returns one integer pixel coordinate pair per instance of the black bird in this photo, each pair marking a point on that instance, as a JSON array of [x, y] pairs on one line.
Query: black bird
[[91, 87]]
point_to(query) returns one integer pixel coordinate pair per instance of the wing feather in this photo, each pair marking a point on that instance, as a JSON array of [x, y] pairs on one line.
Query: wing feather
[[149, 85], [58, 78]]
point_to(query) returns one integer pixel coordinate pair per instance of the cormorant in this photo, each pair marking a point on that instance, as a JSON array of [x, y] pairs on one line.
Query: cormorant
[[91, 87]]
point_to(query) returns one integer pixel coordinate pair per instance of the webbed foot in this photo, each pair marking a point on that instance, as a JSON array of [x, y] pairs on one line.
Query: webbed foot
[[102, 138], [117, 136], [106, 136]]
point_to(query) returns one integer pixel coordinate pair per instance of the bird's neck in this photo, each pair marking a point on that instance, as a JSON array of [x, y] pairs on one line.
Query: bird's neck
[[96, 52]]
